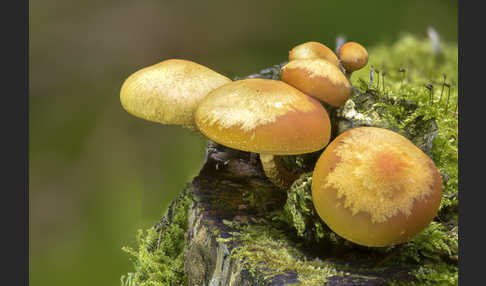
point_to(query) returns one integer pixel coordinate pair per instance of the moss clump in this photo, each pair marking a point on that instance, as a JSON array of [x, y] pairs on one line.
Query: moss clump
[[299, 213], [267, 250], [159, 254], [436, 274], [299, 209], [435, 250], [261, 200]]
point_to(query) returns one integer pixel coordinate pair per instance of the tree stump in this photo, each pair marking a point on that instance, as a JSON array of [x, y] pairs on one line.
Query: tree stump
[[218, 194], [235, 231]]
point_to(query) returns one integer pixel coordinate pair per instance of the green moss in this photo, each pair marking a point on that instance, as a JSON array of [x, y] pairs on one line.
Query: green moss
[[433, 244], [159, 254], [272, 249], [298, 207], [434, 247], [259, 199], [299, 213], [276, 247], [405, 105], [431, 275], [420, 67], [437, 274], [435, 250], [267, 250]]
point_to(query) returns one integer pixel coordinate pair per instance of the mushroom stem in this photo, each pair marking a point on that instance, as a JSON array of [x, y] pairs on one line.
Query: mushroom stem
[[348, 75], [276, 172], [448, 96], [383, 76], [378, 82], [371, 76], [443, 85], [403, 71]]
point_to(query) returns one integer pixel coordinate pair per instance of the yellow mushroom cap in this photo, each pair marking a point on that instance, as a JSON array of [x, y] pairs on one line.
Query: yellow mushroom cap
[[374, 187], [264, 116], [311, 50], [169, 92], [318, 78], [353, 56]]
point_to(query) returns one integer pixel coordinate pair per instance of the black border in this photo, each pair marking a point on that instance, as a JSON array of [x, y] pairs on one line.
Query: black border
[[15, 121], [471, 111]]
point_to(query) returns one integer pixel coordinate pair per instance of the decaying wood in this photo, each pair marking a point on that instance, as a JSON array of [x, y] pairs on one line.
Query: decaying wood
[[219, 193]]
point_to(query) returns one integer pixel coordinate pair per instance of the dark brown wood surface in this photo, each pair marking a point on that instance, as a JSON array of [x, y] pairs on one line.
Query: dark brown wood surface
[[218, 193]]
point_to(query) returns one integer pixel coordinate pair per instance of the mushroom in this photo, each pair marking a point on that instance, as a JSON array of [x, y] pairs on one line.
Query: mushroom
[[169, 92], [264, 116], [318, 78], [311, 50], [374, 187], [353, 56]]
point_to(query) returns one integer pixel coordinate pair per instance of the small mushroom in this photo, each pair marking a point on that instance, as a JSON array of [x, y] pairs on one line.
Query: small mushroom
[[374, 187], [169, 92], [318, 78], [311, 50], [264, 116], [352, 56]]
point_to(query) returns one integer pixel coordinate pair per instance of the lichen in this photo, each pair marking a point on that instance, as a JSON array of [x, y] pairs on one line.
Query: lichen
[[159, 253]]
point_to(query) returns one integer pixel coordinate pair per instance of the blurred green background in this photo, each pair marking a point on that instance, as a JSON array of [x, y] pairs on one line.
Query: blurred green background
[[97, 174]]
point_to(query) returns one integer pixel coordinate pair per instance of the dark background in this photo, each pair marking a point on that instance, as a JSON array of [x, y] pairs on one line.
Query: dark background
[[96, 173]]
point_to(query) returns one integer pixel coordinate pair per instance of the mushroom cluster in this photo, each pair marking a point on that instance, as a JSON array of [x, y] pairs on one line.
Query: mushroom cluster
[[314, 69], [265, 116], [371, 186]]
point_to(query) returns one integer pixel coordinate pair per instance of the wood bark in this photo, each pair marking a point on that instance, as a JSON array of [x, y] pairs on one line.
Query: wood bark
[[219, 192]]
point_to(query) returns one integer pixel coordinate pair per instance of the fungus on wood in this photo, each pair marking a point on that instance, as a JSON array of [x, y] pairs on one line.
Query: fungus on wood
[[318, 78], [312, 50], [267, 117], [238, 228]]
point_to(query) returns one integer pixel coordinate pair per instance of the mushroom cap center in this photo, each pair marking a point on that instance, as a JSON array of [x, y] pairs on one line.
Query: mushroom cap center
[[380, 173]]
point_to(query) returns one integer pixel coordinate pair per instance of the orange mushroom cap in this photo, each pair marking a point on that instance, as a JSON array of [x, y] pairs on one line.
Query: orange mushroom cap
[[353, 56], [264, 116], [311, 50], [169, 92], [374, 187], [318, 78]]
